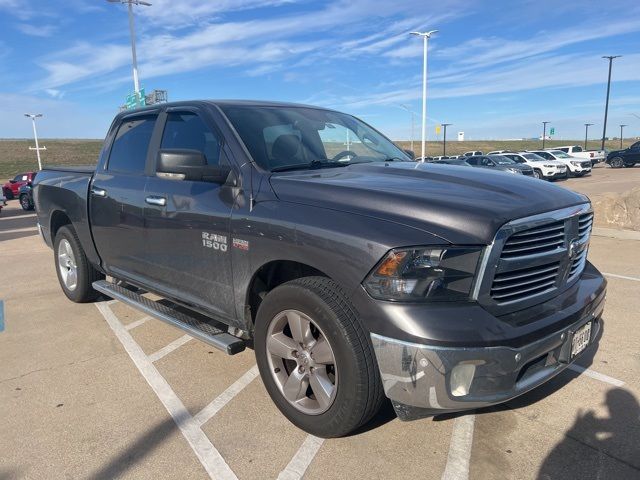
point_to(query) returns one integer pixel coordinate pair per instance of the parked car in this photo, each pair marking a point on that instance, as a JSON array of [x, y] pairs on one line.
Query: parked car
[[500, 152], [472, 153], [577, 167], [11, 188], [542, 168], [452, 161], [594, 156], [500, 163], [445, 289], [25, 195], [624, 158]]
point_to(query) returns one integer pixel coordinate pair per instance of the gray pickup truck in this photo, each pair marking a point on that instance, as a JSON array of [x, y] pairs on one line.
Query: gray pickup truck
[[352, 271]]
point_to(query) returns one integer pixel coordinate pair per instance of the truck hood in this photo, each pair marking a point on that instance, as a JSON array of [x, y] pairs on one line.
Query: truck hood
[[461, 205]]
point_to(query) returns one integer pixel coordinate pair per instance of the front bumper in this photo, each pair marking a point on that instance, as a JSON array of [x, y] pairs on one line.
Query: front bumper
[[580, 170], [419, 378], [555, 174]]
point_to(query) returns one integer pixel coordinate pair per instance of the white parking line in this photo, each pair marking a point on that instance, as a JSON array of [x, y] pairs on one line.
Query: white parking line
[[137, 323], [302, 459], [597, 375], [459, 456], [19, 216], [20, 230], [623, 277], [209, 457], [204, 415], [154, 357]]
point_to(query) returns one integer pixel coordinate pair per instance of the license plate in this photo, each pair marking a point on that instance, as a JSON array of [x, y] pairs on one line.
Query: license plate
[[580, 339]]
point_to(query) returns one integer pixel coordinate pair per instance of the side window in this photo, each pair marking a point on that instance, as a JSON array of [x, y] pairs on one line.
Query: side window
[[485, 162], [129, 150], [635, 146], [472, 161], [564, 149], [186, 130]]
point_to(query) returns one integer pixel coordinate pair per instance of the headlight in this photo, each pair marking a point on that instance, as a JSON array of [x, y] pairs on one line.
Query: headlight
[[575, 164], [423, 274], [514, 170]]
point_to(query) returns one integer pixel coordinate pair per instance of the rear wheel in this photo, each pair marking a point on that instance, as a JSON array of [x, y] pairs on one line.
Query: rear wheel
[[75, 274], [315, 358], [616, 162], [25, 203]]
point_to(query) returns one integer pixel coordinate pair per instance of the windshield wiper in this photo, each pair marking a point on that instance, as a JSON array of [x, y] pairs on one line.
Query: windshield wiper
[[314, 164]]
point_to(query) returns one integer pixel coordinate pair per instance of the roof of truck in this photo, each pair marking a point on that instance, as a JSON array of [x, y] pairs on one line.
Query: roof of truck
[[222, 103]]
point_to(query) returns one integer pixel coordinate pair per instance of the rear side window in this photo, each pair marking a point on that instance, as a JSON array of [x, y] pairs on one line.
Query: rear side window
[[186, 130], [565, 149], [129, 151], [472, 161]]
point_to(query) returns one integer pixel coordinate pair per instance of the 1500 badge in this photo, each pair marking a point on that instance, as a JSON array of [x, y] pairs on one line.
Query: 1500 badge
[[215, 241]]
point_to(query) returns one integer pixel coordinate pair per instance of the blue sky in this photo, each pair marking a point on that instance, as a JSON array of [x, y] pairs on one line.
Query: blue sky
[[496, 68]]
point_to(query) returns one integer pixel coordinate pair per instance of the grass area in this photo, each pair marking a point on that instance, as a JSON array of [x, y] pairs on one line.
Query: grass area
[[15, 156]]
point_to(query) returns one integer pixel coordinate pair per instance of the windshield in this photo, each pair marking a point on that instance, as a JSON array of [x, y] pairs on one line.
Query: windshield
[[533, 157], [501, 160], [560, 154], [279, 138]]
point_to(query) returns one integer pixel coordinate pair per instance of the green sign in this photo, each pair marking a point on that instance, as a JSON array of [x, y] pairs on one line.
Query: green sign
[[552, 131], [132, 102]]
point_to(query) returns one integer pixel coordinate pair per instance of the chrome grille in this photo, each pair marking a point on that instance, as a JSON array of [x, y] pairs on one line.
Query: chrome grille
[[533, 259]]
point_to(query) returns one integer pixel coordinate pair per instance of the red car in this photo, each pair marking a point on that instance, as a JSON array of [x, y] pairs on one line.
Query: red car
[[10, 189]]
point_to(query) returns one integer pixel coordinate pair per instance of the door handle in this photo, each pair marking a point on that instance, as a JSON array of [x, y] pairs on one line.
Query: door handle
[[159, 201], [98, 192]]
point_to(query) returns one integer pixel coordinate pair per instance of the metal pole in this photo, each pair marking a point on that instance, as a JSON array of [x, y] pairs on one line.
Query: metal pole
[[424, 98], [413, 120], [606, 107], [444, 139], [136, 83], [621, 127], [544, 133], [586, 133], [35, 135]]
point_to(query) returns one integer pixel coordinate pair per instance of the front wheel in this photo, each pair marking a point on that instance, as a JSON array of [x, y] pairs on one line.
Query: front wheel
[[75, 274], [537, 174], [315, 358], [25, 203], [616, 162]]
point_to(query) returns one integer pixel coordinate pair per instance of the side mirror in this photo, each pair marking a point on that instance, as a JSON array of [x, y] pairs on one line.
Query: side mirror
[[411, 153], [191, 165], [12, 181]]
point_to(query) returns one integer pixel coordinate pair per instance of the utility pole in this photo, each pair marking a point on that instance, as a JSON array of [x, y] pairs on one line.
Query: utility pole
[[425, 37], [606, 107], [444, 138], [37, 148], [412, 113], [586, 133], [544, 132], [621, 127], [132, 32]]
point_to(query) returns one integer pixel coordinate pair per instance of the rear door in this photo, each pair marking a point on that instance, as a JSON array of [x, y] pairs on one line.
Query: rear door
[[188, 250], [634, 153], [116, 198]]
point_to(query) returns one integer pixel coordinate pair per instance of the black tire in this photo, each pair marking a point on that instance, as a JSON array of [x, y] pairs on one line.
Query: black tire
[[85, 272], [616, 162], [537, 174], [359, 393], [25, 203], [8, 194]]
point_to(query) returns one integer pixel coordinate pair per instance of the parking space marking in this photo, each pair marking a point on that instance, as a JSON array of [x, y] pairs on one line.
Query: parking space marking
[[18, 216], [21, 230], [302, 459], [154, 357], [137, 323], [597, 375], [459, 456], [204, 415], [208, 455], [623, 277]]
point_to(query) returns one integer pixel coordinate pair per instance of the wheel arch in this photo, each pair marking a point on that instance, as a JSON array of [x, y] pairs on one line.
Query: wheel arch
[[58, 220]]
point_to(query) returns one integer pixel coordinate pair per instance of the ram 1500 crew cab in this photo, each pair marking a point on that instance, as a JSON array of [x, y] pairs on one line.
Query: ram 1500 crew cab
[[353, 273]]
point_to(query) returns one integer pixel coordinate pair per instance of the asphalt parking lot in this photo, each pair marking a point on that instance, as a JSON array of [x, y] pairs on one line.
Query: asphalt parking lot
[[100, 391]]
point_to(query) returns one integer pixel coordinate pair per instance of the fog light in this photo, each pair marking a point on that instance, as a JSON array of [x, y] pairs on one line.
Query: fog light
[[461, 378]]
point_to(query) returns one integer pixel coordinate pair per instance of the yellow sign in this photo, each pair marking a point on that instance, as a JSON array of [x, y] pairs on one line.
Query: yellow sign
[[438, 130]]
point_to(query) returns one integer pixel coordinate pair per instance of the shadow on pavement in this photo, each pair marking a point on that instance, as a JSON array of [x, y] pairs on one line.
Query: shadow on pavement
[[136, 452]]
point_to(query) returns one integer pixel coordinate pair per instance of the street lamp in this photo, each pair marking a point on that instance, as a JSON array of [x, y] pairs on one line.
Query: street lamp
[[425, 37], [131, 3], [37, 148], [444, 143], [606, 107], [586, 133], [412, 113], [544, 132], [621, 127]]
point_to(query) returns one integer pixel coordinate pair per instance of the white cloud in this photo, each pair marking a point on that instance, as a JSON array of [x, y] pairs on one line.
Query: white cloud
[[37, 30]]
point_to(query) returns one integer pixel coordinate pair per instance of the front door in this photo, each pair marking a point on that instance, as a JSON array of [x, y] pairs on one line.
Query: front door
[[116, 199], [188, 251]]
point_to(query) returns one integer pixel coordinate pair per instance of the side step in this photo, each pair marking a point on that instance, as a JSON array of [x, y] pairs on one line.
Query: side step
[[193, 326]]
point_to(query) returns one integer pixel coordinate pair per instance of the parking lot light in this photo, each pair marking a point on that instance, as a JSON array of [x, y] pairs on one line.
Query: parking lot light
[[37, 148], [544, 132], [425, 37], [621, 127], [606, 106], [413, 115], [444, 144], [586, 133]]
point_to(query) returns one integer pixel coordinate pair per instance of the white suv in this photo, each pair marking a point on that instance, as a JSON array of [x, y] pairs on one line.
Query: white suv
[[577, 166], [542, 168]]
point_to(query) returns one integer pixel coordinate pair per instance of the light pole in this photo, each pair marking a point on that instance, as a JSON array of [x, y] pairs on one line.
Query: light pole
[[413, 114], [544, 132], [444, 138], [621, 127], [425, 37], [131, 3], [586, 133], [606, 107], [33, 117]]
